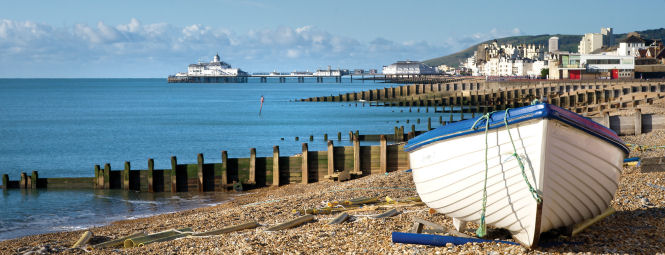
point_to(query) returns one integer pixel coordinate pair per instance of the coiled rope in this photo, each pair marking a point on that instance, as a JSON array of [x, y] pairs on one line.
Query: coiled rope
[[482, 229]]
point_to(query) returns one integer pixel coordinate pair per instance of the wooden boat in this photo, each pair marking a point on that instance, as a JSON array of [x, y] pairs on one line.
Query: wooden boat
[[572, 163]]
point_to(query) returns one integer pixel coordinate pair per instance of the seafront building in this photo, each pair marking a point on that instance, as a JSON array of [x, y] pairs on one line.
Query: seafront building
[[409, 68]]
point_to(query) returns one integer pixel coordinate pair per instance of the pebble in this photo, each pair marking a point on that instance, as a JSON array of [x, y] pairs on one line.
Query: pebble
[[634, 228]]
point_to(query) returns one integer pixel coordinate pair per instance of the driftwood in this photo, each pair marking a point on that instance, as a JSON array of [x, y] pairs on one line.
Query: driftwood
[[85, 238], [387, 214], [117, 242], [247, 225], [342, 217], [292, 223]]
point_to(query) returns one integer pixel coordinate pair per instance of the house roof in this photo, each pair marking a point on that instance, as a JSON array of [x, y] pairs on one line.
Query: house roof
[[633, 39]]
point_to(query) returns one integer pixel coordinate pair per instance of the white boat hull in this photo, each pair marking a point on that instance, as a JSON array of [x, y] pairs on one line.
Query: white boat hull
[[575, 173]]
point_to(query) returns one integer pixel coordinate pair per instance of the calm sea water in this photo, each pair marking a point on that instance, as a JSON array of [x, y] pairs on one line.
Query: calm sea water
[[63, 127]]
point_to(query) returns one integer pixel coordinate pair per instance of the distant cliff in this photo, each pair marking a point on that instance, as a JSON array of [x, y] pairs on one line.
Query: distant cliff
[[566, 43]]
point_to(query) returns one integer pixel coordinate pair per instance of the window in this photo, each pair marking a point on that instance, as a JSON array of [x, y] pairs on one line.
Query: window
[[602, 61]]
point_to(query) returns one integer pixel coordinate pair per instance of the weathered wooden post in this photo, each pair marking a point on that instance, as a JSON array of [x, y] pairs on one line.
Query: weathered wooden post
[[638, 121], [350, 135], [305, 164], [24, 181], [606, 119], [125, 176], [331, 159], [99, 181], [275, 166], [325, 137], [5, 181], [225, 170], [174, 174], [356, 157], [440, 120], [33, 180], [311, 137], [199, 172], [383, 154], [339, 136], [413, 129], [400, 133], [151, 169], [429, 123], [252, 166], [107, 176]]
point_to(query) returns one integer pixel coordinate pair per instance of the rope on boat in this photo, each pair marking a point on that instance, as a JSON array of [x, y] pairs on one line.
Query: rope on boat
[[482, 229]]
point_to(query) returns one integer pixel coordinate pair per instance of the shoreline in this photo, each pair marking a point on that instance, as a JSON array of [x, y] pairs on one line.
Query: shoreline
[[636, 227]]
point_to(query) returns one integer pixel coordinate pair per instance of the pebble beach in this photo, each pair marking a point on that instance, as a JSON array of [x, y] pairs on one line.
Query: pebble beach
[[637, 226]]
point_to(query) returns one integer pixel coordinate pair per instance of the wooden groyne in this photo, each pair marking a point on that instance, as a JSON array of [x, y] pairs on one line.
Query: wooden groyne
[[584, 97], [337, 163]]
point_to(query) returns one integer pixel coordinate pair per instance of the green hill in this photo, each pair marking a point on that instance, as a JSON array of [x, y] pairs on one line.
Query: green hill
[[566, 43]]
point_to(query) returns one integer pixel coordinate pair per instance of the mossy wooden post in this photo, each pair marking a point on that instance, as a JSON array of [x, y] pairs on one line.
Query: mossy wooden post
[[252, 166], [107, 176], [5, 181], [383, 154], [174, 173], [638, 121], [339, 136], [199, 171], [151, 170], [305, 165], [24, 181], [325, 137], [275, 166], [331, 159], [33, 179], [356, 157], [99, 180], [357, 134], [125, 176], [225, 170]]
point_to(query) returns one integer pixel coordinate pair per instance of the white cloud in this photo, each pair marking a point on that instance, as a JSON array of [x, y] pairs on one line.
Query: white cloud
[[159, 49]]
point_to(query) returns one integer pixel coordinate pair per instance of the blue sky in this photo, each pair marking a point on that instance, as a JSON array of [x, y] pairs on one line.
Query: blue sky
[[90, 38]]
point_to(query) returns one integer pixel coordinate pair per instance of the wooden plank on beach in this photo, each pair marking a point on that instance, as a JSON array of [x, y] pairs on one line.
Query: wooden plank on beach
[[292, 223]]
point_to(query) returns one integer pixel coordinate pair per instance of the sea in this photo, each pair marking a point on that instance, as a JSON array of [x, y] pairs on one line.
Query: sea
[[63, 127]]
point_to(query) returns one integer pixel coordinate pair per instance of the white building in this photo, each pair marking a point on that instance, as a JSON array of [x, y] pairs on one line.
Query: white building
[[216, 67], [408, 68], [590, 42], [553, 44], [621, 66], [631, 45]]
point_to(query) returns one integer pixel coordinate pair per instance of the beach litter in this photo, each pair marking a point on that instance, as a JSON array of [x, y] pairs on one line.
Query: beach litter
[[438, 240]]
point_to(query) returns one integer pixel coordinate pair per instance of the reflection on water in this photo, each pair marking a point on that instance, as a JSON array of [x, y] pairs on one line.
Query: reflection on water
[[28, 212]]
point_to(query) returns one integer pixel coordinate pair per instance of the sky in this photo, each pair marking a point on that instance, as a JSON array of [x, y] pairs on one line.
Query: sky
[[120, 38]]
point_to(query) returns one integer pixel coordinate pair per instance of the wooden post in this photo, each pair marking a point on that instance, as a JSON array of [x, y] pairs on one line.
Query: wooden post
[[125, 176], [606, 119], [305, 164], [429, 123], [275, 166], [225, 170], [151, 169], [199, 168], [107, 176], [350, 135], [24, 181], [331, 159], [339, 136], [638, 121], [174, 173], [5, 181], [356, 156], [325, 137], [98, 177], [413, 129], [252, 166], [33, 180], [383, 154]]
